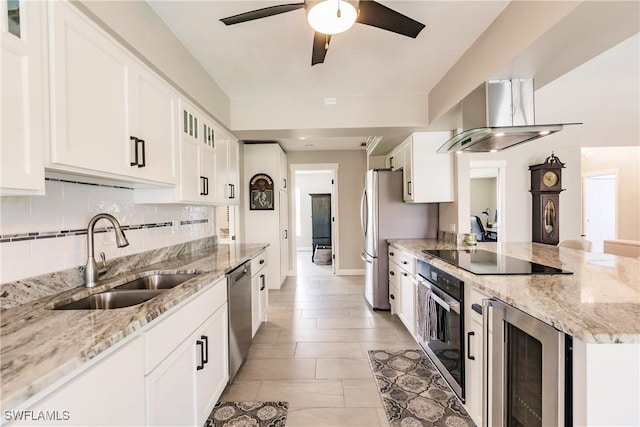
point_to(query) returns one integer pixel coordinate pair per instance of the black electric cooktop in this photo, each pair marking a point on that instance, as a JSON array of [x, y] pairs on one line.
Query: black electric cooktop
[[479, 261]]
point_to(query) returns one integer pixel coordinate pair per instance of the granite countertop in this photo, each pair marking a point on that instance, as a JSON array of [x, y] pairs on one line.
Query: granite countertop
[[40, 346], [598, 303]]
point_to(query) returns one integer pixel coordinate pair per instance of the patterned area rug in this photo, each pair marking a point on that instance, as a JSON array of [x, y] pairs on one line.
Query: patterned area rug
[[413, 391], [248, 414]]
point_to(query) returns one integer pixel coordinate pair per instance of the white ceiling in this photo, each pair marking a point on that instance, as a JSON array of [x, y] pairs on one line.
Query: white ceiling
[[271, 57], [266, 64]]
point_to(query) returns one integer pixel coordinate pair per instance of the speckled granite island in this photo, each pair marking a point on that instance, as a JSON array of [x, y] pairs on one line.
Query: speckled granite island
[[598, 303], [39, 346]]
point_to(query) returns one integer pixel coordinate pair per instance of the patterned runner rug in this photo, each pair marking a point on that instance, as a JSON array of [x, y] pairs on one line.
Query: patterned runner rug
[[413, 391], [248, 414]]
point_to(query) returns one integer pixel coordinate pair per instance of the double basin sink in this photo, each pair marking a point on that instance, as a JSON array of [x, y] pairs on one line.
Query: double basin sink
[[128, 294]]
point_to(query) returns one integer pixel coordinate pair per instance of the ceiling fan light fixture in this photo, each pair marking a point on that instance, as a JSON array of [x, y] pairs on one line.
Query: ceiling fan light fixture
[[332, 16]]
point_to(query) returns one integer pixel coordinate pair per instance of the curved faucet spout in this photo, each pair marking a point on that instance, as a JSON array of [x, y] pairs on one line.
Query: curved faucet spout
[[91, 269]]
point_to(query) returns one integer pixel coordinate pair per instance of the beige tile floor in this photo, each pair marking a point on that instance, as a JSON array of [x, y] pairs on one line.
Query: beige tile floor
[[312, 352]]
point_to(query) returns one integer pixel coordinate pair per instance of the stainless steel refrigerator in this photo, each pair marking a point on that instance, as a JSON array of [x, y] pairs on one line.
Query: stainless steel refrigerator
[[385, 216]]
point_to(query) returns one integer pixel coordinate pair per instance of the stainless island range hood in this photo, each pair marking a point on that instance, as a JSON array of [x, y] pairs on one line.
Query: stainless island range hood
[[499, 114]]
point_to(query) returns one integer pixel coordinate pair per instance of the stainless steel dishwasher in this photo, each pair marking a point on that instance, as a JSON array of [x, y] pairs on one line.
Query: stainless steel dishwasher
[[239, 291]]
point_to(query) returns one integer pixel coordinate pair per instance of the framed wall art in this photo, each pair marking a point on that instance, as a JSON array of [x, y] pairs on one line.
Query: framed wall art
[[261, 193]]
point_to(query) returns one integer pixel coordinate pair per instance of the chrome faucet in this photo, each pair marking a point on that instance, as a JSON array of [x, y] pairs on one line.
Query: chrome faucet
[[91, 269]]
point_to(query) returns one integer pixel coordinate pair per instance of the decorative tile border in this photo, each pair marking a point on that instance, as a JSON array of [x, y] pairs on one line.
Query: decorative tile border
[[39, 235], [69, 181]]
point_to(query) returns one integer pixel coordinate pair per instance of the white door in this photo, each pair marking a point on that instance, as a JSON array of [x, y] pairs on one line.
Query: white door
[[600, 209], [283, 209]]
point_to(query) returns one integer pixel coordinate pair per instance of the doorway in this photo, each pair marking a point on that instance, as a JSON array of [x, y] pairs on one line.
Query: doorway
[[600, 208], [486, 198], [315, 219]]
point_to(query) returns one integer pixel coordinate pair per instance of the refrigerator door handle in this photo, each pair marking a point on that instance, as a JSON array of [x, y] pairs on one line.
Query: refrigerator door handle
[[363, 212], [364, 257]]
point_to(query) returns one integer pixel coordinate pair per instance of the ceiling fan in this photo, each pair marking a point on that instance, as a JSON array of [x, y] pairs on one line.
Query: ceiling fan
[[328, 17]]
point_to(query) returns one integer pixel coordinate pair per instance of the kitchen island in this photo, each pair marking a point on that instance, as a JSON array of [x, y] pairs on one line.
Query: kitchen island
[[598, 305], [41, 346]]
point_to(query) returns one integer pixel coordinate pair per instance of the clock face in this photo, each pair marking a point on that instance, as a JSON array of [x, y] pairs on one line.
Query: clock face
[[550, 178]]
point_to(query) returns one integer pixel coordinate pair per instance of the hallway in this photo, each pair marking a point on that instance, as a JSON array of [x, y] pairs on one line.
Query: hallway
[[312, 352]]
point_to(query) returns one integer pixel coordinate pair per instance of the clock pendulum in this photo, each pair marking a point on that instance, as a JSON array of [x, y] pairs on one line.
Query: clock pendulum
[[546, 185]]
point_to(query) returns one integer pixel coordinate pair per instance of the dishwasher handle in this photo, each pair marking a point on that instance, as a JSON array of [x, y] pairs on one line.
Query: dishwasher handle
[[240, 272]]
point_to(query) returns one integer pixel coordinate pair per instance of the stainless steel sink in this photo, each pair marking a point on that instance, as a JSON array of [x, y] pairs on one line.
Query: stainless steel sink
[[110, 300], [156, 281]]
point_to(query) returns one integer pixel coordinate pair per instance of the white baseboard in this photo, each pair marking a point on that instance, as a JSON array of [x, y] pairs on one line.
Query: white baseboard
[[305, 249], [350, 272]]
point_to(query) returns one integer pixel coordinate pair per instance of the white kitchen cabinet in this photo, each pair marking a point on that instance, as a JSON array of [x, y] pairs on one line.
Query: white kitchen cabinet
[[402, 285], [187, 360], [111, 117], [227, 171], [393, 160], [24, 100], [283, 172], [269, 226], [110, 392], [259, 291], [473, 359], [428, 175]]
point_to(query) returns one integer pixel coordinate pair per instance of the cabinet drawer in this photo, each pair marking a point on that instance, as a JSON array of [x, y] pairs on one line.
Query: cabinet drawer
[[394, 297], [394, 273], [258, 262], [174, 329], [407, 262], [393, 254]]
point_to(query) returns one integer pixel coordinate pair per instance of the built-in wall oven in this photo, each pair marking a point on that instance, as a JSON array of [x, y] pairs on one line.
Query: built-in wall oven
[[528, 370], [440, 322]]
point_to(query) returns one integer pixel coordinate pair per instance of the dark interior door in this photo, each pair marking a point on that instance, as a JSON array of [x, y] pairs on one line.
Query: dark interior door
[[320, 220]]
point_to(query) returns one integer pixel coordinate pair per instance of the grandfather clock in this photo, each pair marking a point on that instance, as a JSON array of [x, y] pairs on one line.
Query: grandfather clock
[[546, 185]]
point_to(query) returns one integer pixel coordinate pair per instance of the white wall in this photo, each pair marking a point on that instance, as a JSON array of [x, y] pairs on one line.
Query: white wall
[[309, 183], [69, 206], [483, 193]]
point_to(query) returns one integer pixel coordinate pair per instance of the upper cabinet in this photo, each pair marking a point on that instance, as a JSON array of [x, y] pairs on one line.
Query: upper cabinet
[[111, 117], [23, 83], [428, 175], [393, 160], [227, 170]]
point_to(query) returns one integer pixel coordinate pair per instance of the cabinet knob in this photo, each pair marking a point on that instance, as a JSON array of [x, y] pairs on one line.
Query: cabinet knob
[[405, 274], [261, 261], [404, 262], [392, 273], [391, 296], [391, 254]]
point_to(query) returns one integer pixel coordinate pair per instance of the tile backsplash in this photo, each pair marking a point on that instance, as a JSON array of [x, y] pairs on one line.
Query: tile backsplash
[[43, 234]]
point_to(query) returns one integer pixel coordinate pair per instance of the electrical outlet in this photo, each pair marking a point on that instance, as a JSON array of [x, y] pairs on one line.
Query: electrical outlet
[[452, 228], [329, 101]]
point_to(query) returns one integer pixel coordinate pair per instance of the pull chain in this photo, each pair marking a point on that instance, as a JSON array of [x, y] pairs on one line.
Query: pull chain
[[339, 13]]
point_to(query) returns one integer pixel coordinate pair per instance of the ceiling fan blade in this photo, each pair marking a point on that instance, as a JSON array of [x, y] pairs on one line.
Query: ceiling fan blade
[[320, 47], [377, 15], [262, 13]]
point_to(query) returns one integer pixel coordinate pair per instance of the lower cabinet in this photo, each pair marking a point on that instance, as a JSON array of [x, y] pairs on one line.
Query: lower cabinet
[[402, 287], [259, 291], [189, 378], [473, 358], [108, 393]]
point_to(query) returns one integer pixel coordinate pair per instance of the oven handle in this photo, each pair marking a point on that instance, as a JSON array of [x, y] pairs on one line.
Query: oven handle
[[445, 302], [487, 381]]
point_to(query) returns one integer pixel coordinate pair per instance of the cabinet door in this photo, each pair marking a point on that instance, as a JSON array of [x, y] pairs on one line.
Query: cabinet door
[[89, 95], [190, 181], [171, 388], [208, 171], [23, 101], [283, 211], [255, 304], [214, 375], [223, 190], [407, 160], [110, 393], [407, 314], [233, 171], [153, 110], [473, 369], [264, 295], [284, 172]]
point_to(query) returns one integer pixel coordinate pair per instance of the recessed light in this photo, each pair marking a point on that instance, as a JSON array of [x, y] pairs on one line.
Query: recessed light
[[308, 145], [544, 132], [493, 151], [500, 134], [302, 137]]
